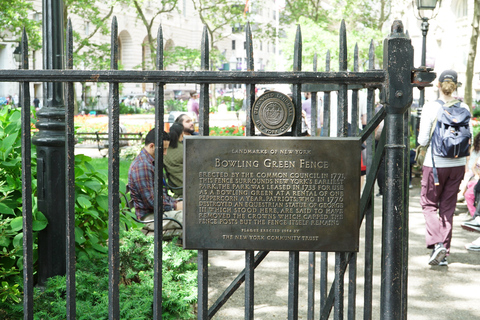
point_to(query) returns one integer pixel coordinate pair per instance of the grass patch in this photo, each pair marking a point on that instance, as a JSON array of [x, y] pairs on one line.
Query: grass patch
[[101, 164]]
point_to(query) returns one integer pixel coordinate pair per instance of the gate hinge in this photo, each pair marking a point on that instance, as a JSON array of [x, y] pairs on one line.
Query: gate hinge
[[423, 77]]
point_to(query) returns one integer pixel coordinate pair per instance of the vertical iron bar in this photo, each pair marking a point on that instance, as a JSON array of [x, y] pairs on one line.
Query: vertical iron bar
[[250, 92], [202, 261], [355, 111], [204, 131], [70, 180], [204, 92], [398, 64], [352, 286], [312, 255], [326, 103], [352, 269], [325, 133], [342, 112], [293, 267], [339, 286], [27, 188], [249, 284], [311, 286], [369, 226], [113, 183], [342, 108], [406, 184], [297, 88], [314, 103], [158, 176], [296, 131], [323, 279], [250, 131]]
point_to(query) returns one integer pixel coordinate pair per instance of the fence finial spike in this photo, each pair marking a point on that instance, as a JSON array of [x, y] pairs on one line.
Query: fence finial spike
[[397, 27], [159, 60]]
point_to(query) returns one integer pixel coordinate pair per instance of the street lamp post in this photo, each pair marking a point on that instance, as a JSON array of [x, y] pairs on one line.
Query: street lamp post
[[422, 7]]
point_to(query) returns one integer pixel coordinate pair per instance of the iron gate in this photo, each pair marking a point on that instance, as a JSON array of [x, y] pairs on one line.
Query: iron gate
[[396, 81]]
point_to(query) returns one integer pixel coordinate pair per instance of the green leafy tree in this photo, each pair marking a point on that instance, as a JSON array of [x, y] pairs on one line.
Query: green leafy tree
[[14, 16], [319, 18], [87, 52], [472, 54], [219, 16], [186, 58]]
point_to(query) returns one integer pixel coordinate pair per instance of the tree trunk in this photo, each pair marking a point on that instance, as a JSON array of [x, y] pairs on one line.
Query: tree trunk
[[472, 54]]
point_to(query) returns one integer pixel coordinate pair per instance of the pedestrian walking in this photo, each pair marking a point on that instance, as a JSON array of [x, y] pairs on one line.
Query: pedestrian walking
[[442, 174]]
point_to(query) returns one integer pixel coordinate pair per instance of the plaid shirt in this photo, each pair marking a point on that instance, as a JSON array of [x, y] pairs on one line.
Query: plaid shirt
[[141, 183]]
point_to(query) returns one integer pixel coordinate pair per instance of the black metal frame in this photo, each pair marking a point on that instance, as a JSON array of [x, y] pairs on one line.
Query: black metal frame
[[395, 81]]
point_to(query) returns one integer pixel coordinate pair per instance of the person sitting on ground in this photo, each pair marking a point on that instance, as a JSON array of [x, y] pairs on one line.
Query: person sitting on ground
[[173, 160], [474, 154], [474, 224], [187, 123], [471, 198], [141, 177]]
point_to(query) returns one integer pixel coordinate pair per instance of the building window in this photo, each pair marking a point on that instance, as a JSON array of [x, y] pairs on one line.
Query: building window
[[245, 45], [261, 46], [461, 9], [87, 28], [233, 44]]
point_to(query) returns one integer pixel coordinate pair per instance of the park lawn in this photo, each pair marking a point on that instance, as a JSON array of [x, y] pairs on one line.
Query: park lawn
[[101, 164]]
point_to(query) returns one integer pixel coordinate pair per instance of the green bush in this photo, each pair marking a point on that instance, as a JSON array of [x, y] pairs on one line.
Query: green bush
[[11, 220], [228, 101], [476, 111], [179, 292], [127, 109], [176, 105], [91, 207]]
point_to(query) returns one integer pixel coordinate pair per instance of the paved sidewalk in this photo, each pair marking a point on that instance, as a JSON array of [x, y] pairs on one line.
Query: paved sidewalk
[[441, 293]]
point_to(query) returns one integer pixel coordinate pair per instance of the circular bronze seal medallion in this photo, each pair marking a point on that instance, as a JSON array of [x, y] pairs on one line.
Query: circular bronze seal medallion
[[273, 113]]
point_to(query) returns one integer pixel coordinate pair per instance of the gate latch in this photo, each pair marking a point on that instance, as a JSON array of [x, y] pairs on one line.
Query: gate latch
[[423, 77]]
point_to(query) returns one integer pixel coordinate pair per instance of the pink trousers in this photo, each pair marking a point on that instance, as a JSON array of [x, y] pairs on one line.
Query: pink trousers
[[470, 196], [439, 202]]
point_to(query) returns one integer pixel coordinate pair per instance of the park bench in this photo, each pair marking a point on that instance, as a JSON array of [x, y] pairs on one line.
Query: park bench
[[100, 139]]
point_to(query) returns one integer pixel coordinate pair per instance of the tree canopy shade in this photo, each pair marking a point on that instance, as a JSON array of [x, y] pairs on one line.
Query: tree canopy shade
[[320, 23], [14, 17]]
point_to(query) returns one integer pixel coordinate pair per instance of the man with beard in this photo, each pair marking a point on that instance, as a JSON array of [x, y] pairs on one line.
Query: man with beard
[[188, 125]]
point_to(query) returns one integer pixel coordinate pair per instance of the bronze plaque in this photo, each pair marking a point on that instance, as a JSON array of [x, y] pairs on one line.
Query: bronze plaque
[[277, 193], [273, 113]]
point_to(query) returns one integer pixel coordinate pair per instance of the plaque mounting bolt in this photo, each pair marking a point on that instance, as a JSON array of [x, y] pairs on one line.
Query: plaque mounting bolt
[[399, 93]]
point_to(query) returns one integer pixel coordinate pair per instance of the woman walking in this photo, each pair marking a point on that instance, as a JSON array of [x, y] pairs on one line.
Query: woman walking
[[439, 200]]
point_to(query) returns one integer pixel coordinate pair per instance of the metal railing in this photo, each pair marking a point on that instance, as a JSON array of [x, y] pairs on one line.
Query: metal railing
[[395, 81]]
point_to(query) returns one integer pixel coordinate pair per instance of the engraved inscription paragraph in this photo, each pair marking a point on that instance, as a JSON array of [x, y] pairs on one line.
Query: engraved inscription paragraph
[[252, 194]]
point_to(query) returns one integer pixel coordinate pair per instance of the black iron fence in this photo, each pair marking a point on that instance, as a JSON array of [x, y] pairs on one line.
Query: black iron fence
[[395, 81]]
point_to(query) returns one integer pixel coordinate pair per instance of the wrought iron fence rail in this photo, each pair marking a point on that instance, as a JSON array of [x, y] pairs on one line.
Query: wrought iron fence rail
[[333, 298], [373, 77]]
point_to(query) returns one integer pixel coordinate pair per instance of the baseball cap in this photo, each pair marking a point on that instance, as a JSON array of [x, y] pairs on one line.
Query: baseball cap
[[448, 75]]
